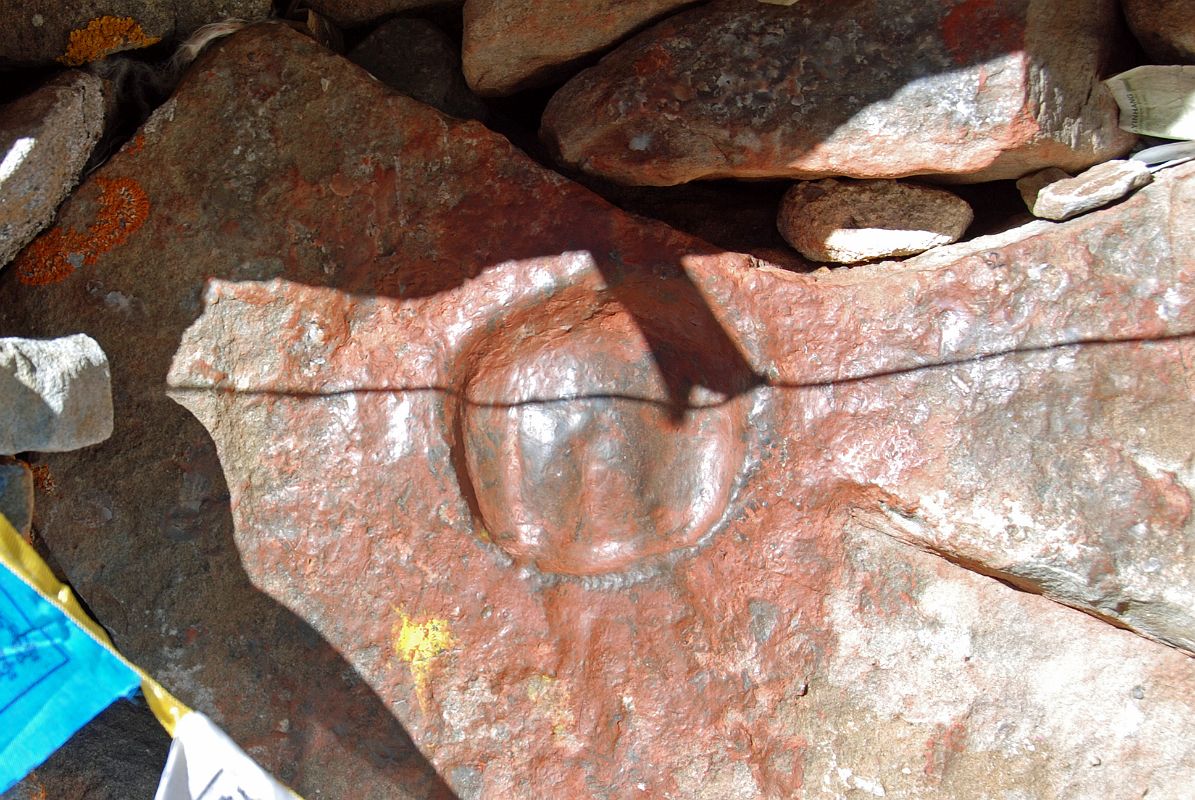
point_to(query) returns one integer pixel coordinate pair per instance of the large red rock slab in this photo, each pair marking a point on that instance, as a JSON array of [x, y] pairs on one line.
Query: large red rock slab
[[593, 508], [510, 46], [973, 89]]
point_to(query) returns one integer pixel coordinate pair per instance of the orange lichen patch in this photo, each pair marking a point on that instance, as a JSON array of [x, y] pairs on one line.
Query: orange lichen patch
[[43, 479], [104, 36], [124, 207], [38, 792], [134, 147], [48, 259]]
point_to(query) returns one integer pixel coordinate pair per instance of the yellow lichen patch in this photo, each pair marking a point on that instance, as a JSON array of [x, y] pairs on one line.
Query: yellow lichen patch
[[123, 208], [418, 644], [102, 37]]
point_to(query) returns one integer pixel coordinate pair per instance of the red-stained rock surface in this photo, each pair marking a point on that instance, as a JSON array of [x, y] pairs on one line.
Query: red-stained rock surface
[[976, 90], [598, 510], [516, 45]]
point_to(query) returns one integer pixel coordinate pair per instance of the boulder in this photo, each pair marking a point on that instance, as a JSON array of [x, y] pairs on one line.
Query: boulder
[[510, 46], [1164, 28], [1069, 197], [45, 31], [55, 395], [597, 509], [416, 58], [970, 91], [46, 137], [849, 222]]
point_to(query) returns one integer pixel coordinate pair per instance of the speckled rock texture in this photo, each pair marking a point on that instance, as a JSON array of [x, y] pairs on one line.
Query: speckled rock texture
[[516, 45], [16, 494], [45, 140], [55, 395], [975, 90], [598, 510], [360, 12], [1094, 188], [415, 57], [117, 756], [847, 222], [48, 31], [1165, 28]]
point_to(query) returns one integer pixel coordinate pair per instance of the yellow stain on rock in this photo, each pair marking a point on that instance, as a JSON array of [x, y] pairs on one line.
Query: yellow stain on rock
[[549, 695], [102, 37], [418, 644]]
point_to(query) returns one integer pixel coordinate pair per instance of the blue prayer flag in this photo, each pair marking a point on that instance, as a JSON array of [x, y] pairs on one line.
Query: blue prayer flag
[[54, 678]]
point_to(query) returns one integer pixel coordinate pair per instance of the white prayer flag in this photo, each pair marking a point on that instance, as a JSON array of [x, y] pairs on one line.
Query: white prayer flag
[[1156, 100], [204, 764]]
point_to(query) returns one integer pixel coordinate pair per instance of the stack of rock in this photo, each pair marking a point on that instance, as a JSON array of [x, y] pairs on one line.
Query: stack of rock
[[434, 473]]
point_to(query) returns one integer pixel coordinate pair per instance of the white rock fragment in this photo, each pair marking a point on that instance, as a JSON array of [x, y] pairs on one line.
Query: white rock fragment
[[55, 395], [847, 222], [1052, 194]]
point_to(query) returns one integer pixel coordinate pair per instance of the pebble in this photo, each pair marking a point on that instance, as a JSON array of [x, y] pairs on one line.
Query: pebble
[[847, 222]]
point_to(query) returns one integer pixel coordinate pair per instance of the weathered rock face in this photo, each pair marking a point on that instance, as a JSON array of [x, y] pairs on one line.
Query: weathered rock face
[[16, 494], [510, 46], [44, 31], [596, 509], [976, 90], [848, 222], [140, 525], [415, 57], [46, 138], [1164, 28]]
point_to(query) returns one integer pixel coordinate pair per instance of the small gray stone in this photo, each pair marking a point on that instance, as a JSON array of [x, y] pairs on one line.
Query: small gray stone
[[45, 140], [847, 222], [1097, 187], [55, 394], [16, 494]]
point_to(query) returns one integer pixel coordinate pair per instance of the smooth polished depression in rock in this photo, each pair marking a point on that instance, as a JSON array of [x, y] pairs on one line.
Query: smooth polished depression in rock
[[580, 462]]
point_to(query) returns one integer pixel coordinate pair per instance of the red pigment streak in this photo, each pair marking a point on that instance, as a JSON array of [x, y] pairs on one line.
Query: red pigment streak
[[123, 208], [943, 745], [978, 30]]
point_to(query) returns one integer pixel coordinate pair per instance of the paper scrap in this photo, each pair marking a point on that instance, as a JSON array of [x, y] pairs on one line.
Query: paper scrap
[[1156, 100]]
